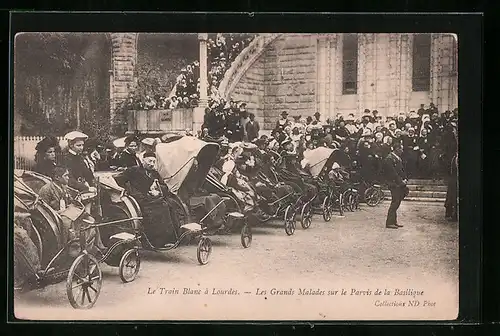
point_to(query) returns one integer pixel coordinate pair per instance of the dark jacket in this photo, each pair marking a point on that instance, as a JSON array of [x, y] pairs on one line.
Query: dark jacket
[[128, 159], [136, 180], [252, 128], [52, 194], [79, 172], [393, 171], [45, 167]]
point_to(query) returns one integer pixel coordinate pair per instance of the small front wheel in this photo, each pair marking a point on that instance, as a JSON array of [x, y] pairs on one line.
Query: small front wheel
[[289, 221], [327, 209], [129, 266], [84, 281], [306, 216], [204, 250], [246, 236]]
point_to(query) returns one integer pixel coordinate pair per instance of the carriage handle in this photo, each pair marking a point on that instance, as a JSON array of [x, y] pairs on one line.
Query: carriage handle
[[211, 210], [118, 221]]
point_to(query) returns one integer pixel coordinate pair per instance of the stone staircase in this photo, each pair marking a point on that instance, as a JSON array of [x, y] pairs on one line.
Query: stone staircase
[[424, 191]]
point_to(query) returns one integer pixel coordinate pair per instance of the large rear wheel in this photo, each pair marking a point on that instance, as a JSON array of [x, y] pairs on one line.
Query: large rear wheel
[[83, 285]]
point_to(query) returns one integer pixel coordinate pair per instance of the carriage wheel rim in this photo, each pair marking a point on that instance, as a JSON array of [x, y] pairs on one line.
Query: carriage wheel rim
[[130, 264], [204, 250], [246, 236], [87, 285]]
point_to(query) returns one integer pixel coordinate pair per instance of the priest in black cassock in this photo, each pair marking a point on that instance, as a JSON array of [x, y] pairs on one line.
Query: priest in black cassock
[[147, 187]]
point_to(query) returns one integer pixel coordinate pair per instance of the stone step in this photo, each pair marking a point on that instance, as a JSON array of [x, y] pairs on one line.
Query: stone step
[[420, 199], [426, 182], [424, 187], [421, 194]]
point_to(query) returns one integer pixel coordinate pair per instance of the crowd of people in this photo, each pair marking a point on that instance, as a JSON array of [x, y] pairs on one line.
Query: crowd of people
[[222, 51], [428, 137]]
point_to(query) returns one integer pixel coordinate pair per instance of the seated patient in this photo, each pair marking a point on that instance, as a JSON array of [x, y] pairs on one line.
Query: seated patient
[[150, 191], [55, 194]]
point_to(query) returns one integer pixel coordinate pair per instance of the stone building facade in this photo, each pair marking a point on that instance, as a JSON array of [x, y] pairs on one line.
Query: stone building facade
[[305, 73]]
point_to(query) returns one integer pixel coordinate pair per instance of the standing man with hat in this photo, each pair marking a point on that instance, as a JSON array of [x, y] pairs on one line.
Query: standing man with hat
[[252, 128], [283, 122], [243, 114], [317, 121], [80, 173], [396, 179]]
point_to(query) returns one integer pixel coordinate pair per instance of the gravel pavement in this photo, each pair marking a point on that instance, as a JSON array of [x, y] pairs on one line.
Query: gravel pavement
[[354, 253]]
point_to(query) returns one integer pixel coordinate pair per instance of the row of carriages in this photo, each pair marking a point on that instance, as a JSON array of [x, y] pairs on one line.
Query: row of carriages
[[43, 257]]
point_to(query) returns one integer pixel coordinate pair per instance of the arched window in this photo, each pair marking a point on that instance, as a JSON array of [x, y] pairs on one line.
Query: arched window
[[350, 64], [421, 77]]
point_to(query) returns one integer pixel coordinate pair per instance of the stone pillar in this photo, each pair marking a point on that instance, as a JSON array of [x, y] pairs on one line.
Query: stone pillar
[[367, 80], [123, 61], [400, 75], [444, 90], [199, 112]]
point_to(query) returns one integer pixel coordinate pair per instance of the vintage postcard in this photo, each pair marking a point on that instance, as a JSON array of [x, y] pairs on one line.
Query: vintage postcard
[[229, 176]]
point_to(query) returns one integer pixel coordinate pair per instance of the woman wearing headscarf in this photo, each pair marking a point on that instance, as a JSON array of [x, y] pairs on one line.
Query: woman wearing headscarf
[[45, 157]]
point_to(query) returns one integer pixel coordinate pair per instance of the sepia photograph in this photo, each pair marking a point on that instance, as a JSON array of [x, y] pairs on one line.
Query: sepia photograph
[[235, 176]]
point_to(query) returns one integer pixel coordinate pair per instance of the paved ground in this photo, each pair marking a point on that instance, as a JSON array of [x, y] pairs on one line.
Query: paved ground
[[350, 252]]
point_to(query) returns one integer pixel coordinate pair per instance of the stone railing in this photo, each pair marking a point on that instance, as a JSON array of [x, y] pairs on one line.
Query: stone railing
[[158, 121], [244, 61]]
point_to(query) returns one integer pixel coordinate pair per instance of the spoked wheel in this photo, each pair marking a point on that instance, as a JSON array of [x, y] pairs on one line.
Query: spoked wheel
[[306, 216], [356, 201], [204, 250], [246, 236], [130, 263], [347, 200], [83, 285], [351, 201], [373, 196], [327, 209], [289, 221], [341, 204]]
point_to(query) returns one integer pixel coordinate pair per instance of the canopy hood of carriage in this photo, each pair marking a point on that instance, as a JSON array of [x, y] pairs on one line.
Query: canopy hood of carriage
[[175, 160], [322, 156]]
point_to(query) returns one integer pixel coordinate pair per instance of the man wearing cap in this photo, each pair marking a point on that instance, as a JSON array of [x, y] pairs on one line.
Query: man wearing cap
[[147, 187], [283, 122], [128, 157], [81, 176], [396, 179]]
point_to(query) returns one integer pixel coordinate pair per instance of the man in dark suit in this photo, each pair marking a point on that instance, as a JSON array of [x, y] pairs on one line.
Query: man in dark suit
[[252, 128], [396, 180]]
